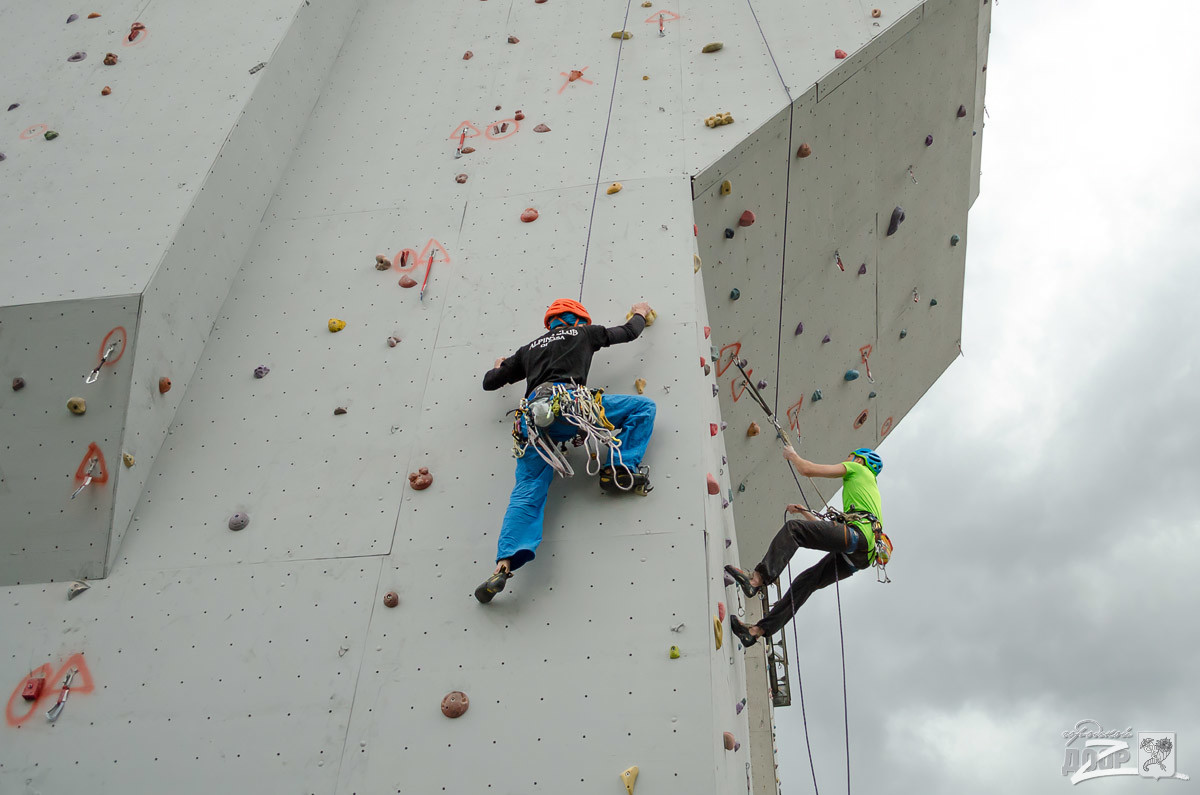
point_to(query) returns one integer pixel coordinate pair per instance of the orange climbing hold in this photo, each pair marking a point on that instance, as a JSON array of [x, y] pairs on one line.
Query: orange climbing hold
[[747, 219], [529, 215], [104, 92], [164, 385], [876, 13], [407, 281], [753, 430], [420, 480], [713, 486], [93, 15]]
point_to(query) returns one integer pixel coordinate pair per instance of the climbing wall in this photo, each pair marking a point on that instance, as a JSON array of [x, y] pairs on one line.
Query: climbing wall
[[280, 608]]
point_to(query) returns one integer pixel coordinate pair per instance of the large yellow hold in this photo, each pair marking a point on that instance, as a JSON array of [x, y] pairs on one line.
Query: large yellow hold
[[629, 778], [622, 34], [614, 188], [336, 325], [651, 316], [718, 631]]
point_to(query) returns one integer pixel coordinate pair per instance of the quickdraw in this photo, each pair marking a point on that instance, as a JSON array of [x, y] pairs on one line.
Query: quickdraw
[[883, 545]]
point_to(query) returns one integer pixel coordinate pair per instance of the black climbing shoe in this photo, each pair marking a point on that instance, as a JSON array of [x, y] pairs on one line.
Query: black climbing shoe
[[742, 631], [742, 579], [491, 586], [618, 480]]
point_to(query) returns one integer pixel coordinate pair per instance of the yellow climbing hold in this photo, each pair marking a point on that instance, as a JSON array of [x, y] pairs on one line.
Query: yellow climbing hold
[[726, 188], [674, 652], [647, 4], [336, 325], [614, 188], [622, 34], [719, 119], [695, 263], [651, 316], [629, 778], [645, 77], [640, 385], [77, 405], [718, 630], [713, 46], [127, 459]]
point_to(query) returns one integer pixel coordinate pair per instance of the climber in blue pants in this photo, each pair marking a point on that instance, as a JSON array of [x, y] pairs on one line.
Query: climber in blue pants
[[555, 367]]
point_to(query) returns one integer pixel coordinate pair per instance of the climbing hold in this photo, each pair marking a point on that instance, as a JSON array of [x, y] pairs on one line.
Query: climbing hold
[[954, 239], [78, 405], [747, 219], [804, 151], [718, 631], [862, 269], [455, 704], [645, 77], [164, 385], [541, 128], [713, 486], [134, 30], [721, 610], [714, 389], [382, 263], [674, 653], [737, 746], [622, 34], [851, 375], [741, 705], [712, 46], [735, 294], [897, 217], [702, 362], [707, 370], [629, 775], [93, 15], [933, 302], [72, 18], [110, 59], [460, 179], [14, 106], [529, 215], [753, 430], [18, 384], [816, 395], [77, 587], [876, 13], [3, 157], [127, 459], [468, 55], [519, 115], [391, 599], [825, 339], [741, 489], [696, 263], [614, 188], [712, 429], [574, 75], [466, 150], [929, 140], [724, 425], [649, 317], [50, 135], [239, 521], [799, 328], [407, 281], [336, 325], [420, 480], [104, 92], [903, 333], [719, 120], [839, 54], [729, 741], [728, 233], [728, 579], [640, 385], [707, 331], [77, 57], [762, 385], [647, 4], [339, 411], [393, 342], [962, 111], [873, 394], [513, 40]]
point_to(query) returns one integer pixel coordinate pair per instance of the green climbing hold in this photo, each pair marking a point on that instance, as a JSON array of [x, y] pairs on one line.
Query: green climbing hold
[[933, 302], [954, 240], [51, 135], [903, 333], [674, 652], [712, 46]]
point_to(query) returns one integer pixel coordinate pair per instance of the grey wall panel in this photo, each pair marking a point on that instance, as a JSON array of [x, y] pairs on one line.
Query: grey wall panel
[[46, 535]]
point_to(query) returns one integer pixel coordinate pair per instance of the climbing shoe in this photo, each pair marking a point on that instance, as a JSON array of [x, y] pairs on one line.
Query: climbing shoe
[[491, 586], [742, 631], [619, 480], [742, 579]]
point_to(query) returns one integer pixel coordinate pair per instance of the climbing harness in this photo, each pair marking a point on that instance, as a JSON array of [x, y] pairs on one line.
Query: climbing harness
[[883, 545], [578, 406]]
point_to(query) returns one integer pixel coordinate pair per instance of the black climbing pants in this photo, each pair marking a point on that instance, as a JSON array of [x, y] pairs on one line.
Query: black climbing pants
[[839, 540]]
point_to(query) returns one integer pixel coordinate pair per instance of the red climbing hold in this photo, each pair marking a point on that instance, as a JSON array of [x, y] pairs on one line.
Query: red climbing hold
[[164, 385], [529, 215], [519, 115], [702, 361], [466, 150], [541, 128], [339, 411], [104, 92], [455, 703], [461, 178], [391, 599], [804, 151], [468, 55], [134, 30], [747, 219], [721, 610], [712, 429], [513, 40], [407, 281], [420, 480], [93, 15], [839, 54], [574, 75], [713, 486], [707, 331]]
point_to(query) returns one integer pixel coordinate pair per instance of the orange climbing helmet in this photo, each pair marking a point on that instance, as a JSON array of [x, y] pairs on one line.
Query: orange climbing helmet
[[563, 305]]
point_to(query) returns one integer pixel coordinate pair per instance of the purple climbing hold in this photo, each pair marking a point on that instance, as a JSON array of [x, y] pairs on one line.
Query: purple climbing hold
[[897, 217], [762, 385], [728, 579], [261, 371], [929, 140], [825, 339], [728, 543], [723, 461], [862, 269], [72, 18], [800, 327], [962, 111], [77, 57], [724, 503], [741, 705], [3, 157], [744, 362], [714, 386], [14, 106]]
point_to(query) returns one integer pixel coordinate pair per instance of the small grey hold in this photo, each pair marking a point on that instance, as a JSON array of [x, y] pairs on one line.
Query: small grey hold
[[77, 587], [258, 67], [239, 521]]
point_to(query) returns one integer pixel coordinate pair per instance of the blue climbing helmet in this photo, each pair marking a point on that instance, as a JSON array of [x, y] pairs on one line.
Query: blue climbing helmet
[[874, 462]]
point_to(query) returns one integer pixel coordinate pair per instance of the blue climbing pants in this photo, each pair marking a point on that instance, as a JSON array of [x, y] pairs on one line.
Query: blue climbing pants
[[521, 532]]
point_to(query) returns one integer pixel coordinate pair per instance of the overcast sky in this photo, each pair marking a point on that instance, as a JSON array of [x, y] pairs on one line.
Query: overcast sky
[[1042, 495]]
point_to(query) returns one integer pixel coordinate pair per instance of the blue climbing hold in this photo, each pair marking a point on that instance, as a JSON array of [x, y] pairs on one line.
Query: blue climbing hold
[[954, 240], [897, 218], [741, 487], [903, 333], [933, 302], [735, 294], [728, 233], [816, 395], [873, 394], [851, 375]]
